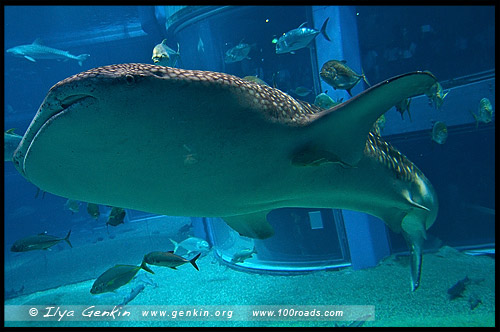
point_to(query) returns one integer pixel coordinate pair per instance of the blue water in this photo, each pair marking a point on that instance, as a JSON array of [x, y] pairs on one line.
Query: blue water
[[455, 43]]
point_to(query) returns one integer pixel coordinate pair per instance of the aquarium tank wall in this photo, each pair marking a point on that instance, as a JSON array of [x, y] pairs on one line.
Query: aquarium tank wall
[[326, 252]]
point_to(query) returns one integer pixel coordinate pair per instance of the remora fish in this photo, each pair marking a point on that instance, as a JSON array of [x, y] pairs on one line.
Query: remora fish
[[299, 38], [94, 126], [37, 50], [38, 242]]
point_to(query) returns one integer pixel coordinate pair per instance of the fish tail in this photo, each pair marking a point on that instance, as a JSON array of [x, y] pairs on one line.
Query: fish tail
[[176, 245], [475, 118], [364, 77], [193, 261], [81, 58], [146, 268], [67, 238], [323, 30]]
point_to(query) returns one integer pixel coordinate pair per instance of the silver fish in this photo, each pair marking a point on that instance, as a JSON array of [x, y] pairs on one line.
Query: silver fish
[[191, 244], [299, 38], [37, 50], [439, 132], [484, 112], [133, 294], [238, 53], [72, 205], [164, 55], [41, 241]]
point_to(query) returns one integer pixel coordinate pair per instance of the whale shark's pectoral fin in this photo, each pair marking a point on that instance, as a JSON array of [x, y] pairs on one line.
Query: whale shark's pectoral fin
[[343, 129], [316, 157], [30, 58], [252, 225]]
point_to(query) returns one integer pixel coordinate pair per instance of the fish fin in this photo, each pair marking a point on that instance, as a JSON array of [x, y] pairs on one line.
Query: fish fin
[[349, 92], [67, 238], [253, 225], [342, 130], [364, 77], [173, 267], [292, 52], [146, 268], [475, 118], [406, 194], [300, 26], [30, 58], [323, 30], [81, 58], [38, 41], [164, 42], [176, 245], [414, 234], [408, 109], [315, 157], [193, 261], [10, 131]]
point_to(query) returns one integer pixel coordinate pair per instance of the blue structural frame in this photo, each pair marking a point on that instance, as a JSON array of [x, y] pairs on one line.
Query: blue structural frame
[[366, 235]]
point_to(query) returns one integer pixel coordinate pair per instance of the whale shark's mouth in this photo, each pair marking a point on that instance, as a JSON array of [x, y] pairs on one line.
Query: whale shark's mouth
[[46, 115]]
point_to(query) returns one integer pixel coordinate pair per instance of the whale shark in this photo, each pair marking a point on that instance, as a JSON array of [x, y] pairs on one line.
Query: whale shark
[[37, 50], [120, 135]]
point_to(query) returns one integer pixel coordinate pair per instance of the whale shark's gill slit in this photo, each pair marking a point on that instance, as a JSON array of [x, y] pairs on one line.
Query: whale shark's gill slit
[[68, 101]]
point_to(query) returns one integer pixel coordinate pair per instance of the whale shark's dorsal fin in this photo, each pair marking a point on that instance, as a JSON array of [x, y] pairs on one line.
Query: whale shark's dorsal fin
[[38, 41], [343, 129]]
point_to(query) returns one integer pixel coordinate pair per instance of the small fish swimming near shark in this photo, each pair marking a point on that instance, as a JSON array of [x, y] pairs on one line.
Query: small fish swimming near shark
[[42, 241], [404, 106], [484, 112], [72, 205], [168, 259], [255, 79], [37, 50], [325, 101], [93, 210], [116, 217], [339, 76], [242, 255], [133, 294], [439, 132], [164, 55], [436, 95], [116, 277], [238, 53], [191, 244], [298, 38]]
